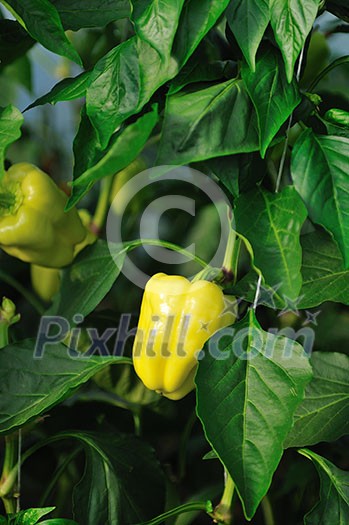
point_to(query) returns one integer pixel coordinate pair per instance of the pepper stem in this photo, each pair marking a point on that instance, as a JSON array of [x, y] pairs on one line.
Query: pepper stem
[[232, 251]]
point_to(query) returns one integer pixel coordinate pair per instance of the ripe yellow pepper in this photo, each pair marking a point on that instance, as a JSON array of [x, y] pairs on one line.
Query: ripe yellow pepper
[[177, 317], [33, 224]]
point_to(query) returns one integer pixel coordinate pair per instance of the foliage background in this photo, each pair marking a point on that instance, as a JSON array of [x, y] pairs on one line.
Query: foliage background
[[113, 402]]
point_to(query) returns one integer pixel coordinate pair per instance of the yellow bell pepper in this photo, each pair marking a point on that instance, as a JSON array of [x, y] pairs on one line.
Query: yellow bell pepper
[[33, 224], [177, 317]]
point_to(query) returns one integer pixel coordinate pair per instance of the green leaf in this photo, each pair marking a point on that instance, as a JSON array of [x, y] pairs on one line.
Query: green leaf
[[199, 71], [333, 506], [156, 23], [292, 21], [323, 413], [86, 147], [30, 516], [248, 20], [66, 89], [324, 275], [238, 173], [272, 223], [58, 521], [41, 19], [87, 281], [11, 120], [124, 148], [76, 14], [31, 386], [197, 18], [249, 384], [121, 84], [130, 482], [124, 80], [273, 97], [14, 42], [212, 122], [319, 169]]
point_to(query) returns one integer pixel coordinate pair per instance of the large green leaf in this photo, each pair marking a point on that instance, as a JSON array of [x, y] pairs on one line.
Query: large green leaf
[[86, 282], [238, 173], [121, 83], [323, 415], [130, 484], [292, 21], [249, 385], [248, 20], [333, 506], [125, 79], [273, 97], [76, 14], [30, 387], [197, 18], [214, 121], [156, 23], [14, 42], [41, 19], [324, 275], [124, 148], [198, 70], [11, 120], [272, 223], [66, 89], [319, 170], [86, 147]]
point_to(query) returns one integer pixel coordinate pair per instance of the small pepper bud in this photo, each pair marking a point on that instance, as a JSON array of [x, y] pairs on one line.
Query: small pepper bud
[[8, 312]]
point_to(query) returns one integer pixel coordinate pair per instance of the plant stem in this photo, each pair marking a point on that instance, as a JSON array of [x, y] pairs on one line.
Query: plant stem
[[137, 422], [35, 303], [222, 513], [187, 507], [340, 61], [3, 334], [102, 204], [267, 511], [171, 246], [9, 478]]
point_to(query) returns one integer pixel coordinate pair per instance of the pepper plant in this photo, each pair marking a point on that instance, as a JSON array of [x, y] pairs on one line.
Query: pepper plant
[[243, 415]]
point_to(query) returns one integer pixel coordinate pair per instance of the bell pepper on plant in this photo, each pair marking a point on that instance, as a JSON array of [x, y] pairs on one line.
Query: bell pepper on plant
[[33, 224], [177, 317], [46, 281]]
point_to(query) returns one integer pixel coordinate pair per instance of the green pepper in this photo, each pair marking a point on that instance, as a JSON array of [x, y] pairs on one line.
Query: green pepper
[[177, 317], [46, 281], [33, 224]]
